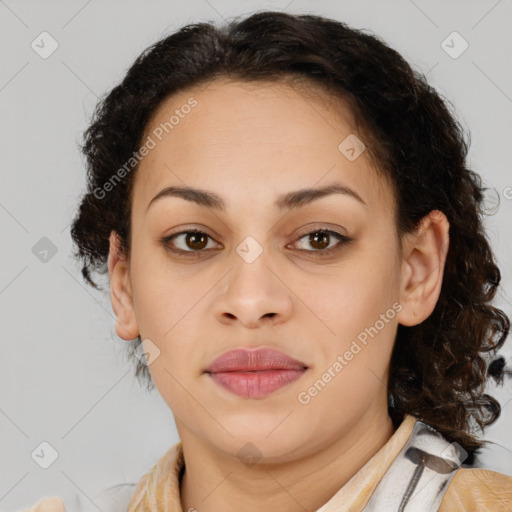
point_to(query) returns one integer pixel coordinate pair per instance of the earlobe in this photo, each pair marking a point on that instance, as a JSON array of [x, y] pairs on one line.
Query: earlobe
[[120, 291], [424, 258]]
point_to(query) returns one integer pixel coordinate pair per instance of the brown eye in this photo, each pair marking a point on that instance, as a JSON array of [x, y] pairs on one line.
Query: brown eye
[[320, 240], [196, 241], [192, 242]]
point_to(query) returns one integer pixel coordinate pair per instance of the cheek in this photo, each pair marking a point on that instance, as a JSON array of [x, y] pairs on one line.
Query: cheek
[[161, 296], [356, 312], [355, 296]]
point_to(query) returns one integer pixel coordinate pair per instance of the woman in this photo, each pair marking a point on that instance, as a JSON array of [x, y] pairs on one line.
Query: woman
[[295, 244]]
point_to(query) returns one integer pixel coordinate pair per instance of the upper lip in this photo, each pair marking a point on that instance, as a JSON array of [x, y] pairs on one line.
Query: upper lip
[[242, 359]]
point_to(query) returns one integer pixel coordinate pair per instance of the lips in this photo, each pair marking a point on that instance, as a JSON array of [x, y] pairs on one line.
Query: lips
[[245, 360], [255, 373]]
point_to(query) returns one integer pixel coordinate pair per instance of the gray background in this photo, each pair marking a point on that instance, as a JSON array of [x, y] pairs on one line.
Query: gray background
[[64, 379]]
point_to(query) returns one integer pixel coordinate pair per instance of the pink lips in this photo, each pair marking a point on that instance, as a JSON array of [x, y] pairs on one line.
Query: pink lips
[[255, 373]]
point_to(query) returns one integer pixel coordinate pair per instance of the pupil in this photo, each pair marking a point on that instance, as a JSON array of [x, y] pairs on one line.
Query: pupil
[[193, 236], [323, 239]]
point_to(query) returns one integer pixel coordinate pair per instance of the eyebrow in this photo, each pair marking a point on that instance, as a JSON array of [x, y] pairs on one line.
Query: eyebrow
[[286, 201]]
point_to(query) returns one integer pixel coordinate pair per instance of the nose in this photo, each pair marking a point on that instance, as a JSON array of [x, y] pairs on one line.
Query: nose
[[254, 294]]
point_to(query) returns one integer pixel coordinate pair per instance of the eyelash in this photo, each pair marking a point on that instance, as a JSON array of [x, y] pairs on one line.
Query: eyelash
[[343, 241]]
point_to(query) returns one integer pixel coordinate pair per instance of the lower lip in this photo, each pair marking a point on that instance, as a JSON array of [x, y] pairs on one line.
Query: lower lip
[[256, 384]]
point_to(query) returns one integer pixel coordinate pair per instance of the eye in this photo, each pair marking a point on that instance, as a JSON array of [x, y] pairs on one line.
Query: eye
[[320, 239], [194, 242], [191, 241]]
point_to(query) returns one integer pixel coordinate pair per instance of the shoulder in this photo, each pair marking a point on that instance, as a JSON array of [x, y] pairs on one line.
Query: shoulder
[[478, 489], [53, 504], [115, 498]]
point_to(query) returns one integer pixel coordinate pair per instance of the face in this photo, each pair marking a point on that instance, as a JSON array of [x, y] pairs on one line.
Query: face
[[317, 280]]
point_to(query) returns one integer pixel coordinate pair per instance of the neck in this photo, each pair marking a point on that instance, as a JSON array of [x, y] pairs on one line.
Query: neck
[[215, 480]]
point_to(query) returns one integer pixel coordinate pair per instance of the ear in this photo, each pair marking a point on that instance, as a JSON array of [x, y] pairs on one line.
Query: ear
[[120, 291], [424, 257]]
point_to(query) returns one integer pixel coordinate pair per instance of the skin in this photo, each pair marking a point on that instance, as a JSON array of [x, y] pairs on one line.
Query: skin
[[250, 143]]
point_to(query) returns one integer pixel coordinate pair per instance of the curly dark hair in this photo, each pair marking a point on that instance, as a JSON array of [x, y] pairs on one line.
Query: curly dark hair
[[438, 368]]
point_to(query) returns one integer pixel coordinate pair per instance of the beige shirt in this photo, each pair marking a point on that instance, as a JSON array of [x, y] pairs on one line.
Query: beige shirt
[[471, 490]]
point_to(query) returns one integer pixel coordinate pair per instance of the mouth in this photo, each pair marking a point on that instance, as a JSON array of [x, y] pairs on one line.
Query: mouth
[[255, 373]]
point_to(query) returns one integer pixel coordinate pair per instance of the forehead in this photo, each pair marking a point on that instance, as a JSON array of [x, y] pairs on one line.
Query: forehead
[[265, 138]]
